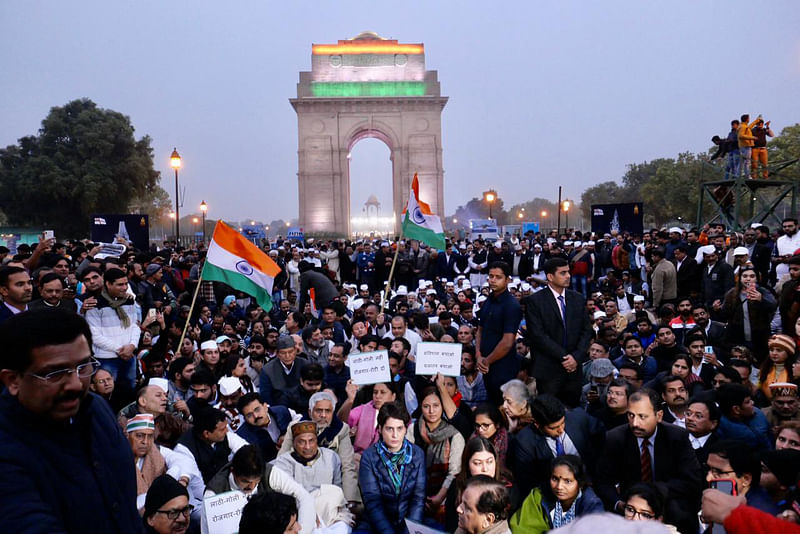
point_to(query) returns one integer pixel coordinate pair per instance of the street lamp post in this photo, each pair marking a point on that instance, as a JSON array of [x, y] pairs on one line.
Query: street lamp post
[[195, 220], [566, 215], [175, 162], [203, 210], [490, 197]]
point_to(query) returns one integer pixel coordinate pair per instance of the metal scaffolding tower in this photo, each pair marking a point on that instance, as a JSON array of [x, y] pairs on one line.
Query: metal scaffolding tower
[[741, 202]]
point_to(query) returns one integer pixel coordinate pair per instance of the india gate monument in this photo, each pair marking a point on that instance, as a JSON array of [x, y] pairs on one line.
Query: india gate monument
[[363, 87]]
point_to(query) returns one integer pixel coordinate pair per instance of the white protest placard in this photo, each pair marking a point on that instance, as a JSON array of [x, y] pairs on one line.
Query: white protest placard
[[418, 528], [223, 511], [442, 358], [369, 367]]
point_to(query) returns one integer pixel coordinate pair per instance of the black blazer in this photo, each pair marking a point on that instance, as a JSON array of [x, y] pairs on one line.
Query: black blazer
[[688, 277], [529, 455], [5, 313], [702, 452], [716, 283], [676, 466], [545, 331], [444, 265]]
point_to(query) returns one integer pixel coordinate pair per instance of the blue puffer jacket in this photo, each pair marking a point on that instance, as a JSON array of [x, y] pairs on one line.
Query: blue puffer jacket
[[77, 478], [385, 512]]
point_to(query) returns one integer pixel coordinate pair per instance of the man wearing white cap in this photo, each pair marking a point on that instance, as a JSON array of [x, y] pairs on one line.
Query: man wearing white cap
[[520, 263], [230, 391], [741, 258], [152, 399], [537, 259], [478, 264], [675, 240], [209, 357]]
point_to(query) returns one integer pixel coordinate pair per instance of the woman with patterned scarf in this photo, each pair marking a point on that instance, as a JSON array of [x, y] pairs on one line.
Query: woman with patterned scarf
[[392, 475], [443, 445], [564, 499]]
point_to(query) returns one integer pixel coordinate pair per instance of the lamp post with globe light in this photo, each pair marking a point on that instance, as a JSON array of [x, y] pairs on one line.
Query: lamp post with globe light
[[490, 197], [203, 210], [175, 163]]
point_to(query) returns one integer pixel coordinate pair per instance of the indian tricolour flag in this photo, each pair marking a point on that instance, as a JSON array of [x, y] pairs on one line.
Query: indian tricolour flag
[[235, 261], [419, 222]]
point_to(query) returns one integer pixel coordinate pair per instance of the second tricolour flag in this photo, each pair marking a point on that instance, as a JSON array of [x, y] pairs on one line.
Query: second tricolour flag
[[235, 261], [419, 222]]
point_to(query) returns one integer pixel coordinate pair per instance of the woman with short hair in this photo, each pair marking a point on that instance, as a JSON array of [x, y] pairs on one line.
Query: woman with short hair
[[516, 405], [392, 475]]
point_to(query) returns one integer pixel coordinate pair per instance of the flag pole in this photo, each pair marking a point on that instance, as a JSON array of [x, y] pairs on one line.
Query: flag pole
[[191, 309], [385, 296]]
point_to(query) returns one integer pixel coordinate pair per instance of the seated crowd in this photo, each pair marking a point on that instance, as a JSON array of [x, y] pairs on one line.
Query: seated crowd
[[612, 373]]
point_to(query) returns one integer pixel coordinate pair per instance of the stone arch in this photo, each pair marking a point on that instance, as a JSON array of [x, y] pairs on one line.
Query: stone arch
[[366, 87]]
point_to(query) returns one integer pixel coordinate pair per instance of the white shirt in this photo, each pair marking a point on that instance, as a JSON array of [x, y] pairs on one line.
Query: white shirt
[[15, 310], [569, 447], [698, 443], [681, 422], [558, 302], [786, 245], [412, 337]]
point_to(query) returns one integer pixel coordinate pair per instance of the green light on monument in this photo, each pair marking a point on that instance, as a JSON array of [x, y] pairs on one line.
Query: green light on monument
[[356, 89]]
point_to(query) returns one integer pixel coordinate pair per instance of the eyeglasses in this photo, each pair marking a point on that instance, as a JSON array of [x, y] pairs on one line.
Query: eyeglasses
[[173, 514], [716, 473], [632, 512], [84, 370], [484, 426]]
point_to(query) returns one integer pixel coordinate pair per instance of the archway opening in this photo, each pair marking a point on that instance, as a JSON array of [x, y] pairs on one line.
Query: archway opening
[[371, 193]]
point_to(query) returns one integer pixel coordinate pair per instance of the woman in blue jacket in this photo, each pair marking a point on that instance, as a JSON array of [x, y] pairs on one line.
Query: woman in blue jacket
[[392, 475]]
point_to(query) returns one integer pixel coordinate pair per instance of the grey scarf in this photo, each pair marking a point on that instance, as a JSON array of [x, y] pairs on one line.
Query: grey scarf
[[116, 305]]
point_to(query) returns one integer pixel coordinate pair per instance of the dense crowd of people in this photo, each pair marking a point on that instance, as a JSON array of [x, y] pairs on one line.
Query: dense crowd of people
[[652, 378]]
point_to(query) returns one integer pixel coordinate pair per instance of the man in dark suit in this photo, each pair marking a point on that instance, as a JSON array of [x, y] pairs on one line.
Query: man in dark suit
[[16, 290], [760, 253], [688, 273], [559, 332], [713, 330], [554, 432], [717, 278], [520, 263], [445, 263], [647, 450], [537, 259], [702, 420]]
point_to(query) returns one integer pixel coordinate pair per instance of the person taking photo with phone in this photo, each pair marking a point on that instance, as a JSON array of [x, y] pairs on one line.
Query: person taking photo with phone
[[748, 309]]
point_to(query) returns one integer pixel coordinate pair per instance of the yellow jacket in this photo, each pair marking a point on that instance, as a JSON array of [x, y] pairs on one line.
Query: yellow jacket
[[746, 137]]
